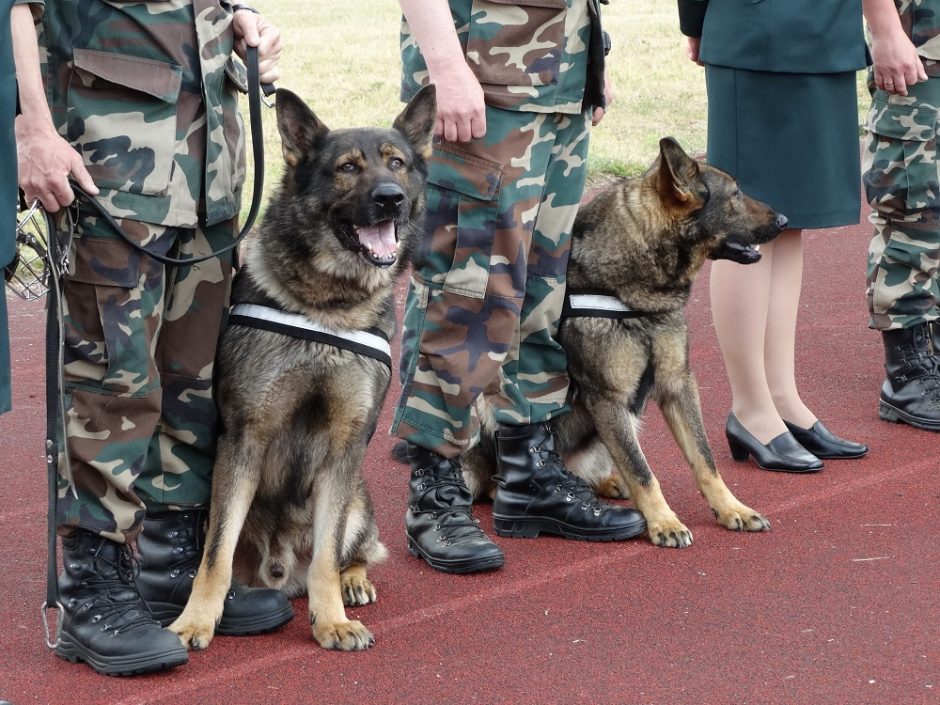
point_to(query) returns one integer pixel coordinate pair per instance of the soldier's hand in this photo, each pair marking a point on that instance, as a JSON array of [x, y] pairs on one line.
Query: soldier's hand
[[461, 111], [253, 30], [692, 48], [896, 62], [45, 161]]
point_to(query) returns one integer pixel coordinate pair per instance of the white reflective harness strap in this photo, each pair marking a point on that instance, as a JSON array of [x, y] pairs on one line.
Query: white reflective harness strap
[[595, 305], [371, 343]]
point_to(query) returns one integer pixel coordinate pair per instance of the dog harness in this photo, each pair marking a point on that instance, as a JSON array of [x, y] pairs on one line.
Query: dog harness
[[581, 303], [371, 343]]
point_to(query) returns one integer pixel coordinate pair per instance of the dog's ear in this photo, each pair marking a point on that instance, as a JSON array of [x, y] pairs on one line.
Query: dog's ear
[[679, 175], [299, 127], [416, 121]]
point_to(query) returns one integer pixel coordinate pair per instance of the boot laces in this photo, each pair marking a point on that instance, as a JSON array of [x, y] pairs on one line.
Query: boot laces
[[565, 481], [454, 522], [118, 605], [187, 544]]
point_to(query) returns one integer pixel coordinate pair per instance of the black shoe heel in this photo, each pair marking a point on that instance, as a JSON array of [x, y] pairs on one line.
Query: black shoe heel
[[783, 453], [738, 450]]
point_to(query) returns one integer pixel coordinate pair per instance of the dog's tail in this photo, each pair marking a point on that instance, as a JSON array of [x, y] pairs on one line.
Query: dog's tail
[[400, 452]]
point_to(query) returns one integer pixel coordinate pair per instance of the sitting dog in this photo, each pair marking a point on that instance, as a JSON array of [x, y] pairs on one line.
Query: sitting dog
[[636, 250], [304, 366]]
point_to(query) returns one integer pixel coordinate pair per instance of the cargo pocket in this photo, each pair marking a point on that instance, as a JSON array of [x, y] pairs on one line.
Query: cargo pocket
[[122, 117], [107, 346], [463, 211], [903, 176], [516, 43]]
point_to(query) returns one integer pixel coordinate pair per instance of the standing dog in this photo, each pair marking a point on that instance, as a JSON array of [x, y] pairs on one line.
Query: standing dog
[[304, 367], [636, 250]]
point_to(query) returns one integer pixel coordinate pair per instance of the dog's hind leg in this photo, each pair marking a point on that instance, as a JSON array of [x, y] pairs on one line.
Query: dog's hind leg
[[235, 478], [361, 549], [683, 413]]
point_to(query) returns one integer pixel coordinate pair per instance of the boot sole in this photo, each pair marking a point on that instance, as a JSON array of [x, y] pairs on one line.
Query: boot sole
[[886, 412], [120, 665], [166, 613], [530, 528], [466, 566]]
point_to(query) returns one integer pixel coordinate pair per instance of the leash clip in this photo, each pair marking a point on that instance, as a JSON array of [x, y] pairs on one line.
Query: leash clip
[[45, 623]]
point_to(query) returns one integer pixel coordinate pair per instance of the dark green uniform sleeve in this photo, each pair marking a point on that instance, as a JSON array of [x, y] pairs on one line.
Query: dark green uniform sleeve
[[692, 17]]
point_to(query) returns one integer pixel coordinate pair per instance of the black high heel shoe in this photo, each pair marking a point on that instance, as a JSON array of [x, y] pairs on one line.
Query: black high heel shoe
[[783, 453], [822, 443]]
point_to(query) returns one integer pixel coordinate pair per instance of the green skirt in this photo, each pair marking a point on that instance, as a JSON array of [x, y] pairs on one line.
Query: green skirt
[[791, 140]]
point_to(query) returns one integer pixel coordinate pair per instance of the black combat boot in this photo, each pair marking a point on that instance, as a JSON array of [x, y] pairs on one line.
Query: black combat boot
[[911, 392], [170, 548], [438, 523], [536, 494], [104, 621]]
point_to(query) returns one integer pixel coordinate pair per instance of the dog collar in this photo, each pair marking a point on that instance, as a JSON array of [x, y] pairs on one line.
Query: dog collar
[[591, 304], [371, 343]]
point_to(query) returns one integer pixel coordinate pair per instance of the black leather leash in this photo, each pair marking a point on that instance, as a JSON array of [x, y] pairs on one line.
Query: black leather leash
[[57, 263]]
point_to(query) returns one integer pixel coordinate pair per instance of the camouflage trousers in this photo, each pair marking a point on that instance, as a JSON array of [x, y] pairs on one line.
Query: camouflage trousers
[[902, 183], [139, 346], [489, 279]]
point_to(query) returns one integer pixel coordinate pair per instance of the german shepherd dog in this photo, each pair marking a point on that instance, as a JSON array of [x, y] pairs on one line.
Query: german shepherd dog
[[641, 243], [299, 403]]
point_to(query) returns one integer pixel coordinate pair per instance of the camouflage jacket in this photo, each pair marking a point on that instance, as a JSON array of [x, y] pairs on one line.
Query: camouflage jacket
[[921, 21], [531, 55], [147, 93]]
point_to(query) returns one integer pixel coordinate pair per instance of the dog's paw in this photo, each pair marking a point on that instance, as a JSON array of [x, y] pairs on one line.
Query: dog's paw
[[665, 529], [669, 533], [741, 518], [613, 487], [343, 636], [194, 633], [357, 589]]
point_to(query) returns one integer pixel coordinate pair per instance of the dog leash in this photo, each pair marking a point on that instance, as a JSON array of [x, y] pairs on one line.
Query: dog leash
[[57, 260]]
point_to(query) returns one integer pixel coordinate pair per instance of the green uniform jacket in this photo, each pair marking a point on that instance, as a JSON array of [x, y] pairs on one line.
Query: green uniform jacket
[[786, 36], [147, 93]]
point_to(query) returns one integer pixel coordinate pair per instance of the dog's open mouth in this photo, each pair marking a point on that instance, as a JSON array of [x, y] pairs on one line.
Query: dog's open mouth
[[377, 243], [737, 251]]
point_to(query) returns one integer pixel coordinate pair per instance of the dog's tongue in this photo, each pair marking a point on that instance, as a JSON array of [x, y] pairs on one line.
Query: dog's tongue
[[379, 238]]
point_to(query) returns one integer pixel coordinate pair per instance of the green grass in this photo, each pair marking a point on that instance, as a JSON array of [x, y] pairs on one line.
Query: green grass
[[344, 61]]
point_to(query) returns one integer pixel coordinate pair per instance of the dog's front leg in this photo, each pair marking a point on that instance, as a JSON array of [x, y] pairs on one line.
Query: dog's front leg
[[235, 479], [683, 413], [328, 621], [616, 426]]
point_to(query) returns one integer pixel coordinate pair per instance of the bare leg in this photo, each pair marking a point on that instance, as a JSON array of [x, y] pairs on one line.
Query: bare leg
[[780, 340], [740, 303]]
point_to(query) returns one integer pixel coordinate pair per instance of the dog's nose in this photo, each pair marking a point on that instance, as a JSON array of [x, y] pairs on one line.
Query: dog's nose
[[781, 221], [388, 195]]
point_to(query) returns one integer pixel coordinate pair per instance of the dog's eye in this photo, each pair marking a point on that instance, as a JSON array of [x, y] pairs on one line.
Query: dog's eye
[[396, 163], [348, 167]]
